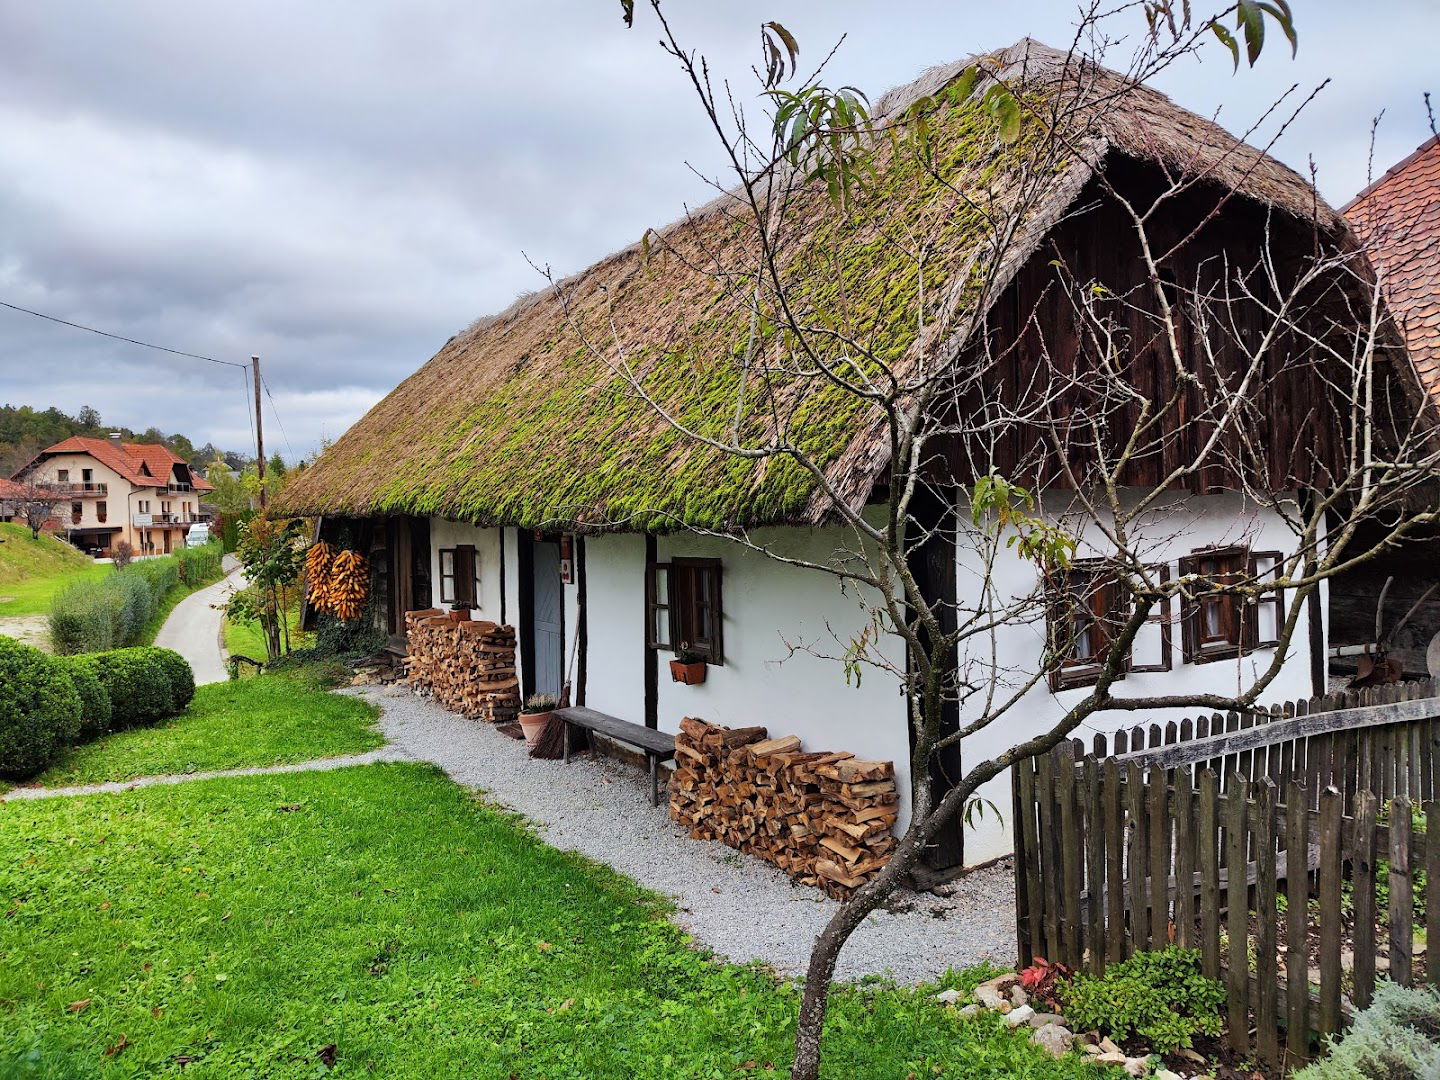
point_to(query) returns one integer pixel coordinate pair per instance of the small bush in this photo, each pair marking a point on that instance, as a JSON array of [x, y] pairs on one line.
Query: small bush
[[122, 554], [177, 671], [95, 708], [96, 616], [85, 616], [39, 709], [199, 565], [137, 604], [1163, 997], [1396, 1038], [138, 685]]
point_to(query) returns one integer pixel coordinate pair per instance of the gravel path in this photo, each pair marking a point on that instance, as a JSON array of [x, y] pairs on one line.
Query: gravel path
[[195, 629], [737, 905], [314, 765]]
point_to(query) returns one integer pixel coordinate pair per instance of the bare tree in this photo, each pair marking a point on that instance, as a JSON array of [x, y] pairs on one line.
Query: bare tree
[[35, 502], [1050, 393]]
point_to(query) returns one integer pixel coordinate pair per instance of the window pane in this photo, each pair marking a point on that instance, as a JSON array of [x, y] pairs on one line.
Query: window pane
[[660, 631]]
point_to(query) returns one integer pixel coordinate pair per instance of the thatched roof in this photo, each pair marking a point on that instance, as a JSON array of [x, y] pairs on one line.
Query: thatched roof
[[517, 421]]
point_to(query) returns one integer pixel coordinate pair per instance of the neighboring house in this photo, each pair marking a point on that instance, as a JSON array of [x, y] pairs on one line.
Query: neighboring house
[[515, 474], [10, 495], [109, 490], [1397, 218]]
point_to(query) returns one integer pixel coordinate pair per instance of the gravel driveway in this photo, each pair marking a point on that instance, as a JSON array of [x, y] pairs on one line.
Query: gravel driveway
[[735, 904]]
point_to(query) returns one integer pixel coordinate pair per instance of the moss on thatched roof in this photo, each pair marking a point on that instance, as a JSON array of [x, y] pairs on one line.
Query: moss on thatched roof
[[518, 421]]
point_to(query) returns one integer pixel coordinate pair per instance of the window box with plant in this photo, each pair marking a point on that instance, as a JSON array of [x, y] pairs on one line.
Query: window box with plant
[[689, 666], [682, 601], [535, 714]]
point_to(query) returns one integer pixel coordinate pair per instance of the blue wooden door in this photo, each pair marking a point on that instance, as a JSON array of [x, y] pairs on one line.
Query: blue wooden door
[[547, 620]]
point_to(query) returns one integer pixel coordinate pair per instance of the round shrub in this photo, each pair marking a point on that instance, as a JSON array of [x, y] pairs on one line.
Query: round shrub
[[138, 685], [177, 670], [94, 698], [39, 709]]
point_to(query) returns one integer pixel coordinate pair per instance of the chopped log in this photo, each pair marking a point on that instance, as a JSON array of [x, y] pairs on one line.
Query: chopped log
[[796, 810]]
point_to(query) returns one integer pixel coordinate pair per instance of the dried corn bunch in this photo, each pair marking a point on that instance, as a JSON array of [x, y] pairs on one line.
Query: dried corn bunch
[[318, 562], [348, 585]]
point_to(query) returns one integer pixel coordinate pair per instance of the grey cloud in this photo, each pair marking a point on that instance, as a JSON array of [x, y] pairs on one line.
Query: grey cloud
[[340, 187]]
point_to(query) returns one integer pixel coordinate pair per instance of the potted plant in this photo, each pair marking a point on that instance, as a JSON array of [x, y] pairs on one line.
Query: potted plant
[[459, 612], [534, 715], [688, 667]]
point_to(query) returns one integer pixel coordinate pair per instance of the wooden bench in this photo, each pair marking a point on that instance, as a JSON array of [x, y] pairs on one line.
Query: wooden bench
[[656, 745]]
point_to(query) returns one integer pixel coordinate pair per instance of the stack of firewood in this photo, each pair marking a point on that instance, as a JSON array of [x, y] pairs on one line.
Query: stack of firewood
[[468, 667], [824, 819]]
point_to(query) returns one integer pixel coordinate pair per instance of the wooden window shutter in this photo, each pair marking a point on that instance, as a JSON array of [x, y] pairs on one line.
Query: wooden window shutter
[[466, 592], [1152, 649]]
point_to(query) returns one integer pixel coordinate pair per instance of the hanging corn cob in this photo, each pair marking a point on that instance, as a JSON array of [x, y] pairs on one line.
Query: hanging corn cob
[[318, 563], [349, 584]]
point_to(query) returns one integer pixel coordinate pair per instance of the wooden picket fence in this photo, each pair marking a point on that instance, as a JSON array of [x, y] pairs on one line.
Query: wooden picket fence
[[1308, 810]]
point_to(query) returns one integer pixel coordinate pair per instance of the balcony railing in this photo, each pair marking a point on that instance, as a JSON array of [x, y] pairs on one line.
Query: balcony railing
[[179, 489], [71, 488], [146, 521]]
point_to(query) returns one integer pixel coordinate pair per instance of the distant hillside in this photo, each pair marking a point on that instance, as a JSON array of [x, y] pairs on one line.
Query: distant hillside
[[25, 431], [22, 558]]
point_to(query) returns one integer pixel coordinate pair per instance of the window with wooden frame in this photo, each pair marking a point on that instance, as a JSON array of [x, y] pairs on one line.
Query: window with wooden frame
[[1217, 624], [459, 577], [101, 511], [1086, 607], [683, 608]]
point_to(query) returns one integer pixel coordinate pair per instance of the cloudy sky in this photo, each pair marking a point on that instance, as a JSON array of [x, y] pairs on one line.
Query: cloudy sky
[[340, 186]]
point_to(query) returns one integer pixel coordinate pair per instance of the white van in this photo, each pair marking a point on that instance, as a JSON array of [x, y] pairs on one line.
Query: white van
[[198, 536]]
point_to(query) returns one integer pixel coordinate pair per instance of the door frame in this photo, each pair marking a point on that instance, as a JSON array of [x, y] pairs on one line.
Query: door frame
[[525, 554]]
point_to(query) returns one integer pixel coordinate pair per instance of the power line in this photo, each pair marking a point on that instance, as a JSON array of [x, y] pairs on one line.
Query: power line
[[266, 384], [117, 337]]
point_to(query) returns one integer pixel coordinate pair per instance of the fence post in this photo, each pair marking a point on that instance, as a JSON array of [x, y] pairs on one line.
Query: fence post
[[1184, 858], [1139, 907], [1330, 925], [1114, 865], [1159, 860], [1022, 830], [1432, 890], [1362, 879], [1209, 873], [1402, 893], [1094, 840], [1267, 1027], [1237, 908], [1297, 929]]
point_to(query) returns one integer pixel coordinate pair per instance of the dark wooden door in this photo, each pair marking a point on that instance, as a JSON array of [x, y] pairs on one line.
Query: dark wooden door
[[543, 618]]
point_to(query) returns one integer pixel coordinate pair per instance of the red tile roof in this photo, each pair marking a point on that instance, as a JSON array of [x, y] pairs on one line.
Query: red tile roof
[[143, 464], [9, 489], [1398, 218]]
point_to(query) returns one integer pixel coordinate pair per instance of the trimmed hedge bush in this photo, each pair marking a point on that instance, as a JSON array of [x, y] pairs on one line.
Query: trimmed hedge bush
[[115, 611], [177, 671], [139, 687], [198, 565], [40, 709], [94, 698]]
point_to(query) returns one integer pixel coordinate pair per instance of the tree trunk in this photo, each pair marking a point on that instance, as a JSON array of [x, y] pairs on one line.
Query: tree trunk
[[811, 1025]]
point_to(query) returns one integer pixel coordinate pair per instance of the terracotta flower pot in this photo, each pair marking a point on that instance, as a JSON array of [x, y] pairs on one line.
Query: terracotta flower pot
[[689, 674], [533, 724], [463, 615]]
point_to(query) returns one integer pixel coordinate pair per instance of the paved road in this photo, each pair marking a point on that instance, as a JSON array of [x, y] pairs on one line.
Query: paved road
[[194, 628]]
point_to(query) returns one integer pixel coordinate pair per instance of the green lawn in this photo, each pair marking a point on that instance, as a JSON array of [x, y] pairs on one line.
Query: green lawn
[[269, 720], [242, 926], [32, 571], [245, 638]]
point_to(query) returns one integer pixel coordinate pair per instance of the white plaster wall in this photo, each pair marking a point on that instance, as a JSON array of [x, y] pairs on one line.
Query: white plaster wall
[[766, 604], [1180, 525], [615, 599], [449, 534]]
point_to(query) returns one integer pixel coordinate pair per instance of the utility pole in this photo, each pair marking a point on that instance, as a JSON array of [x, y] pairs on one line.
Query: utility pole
[[259, 430]]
